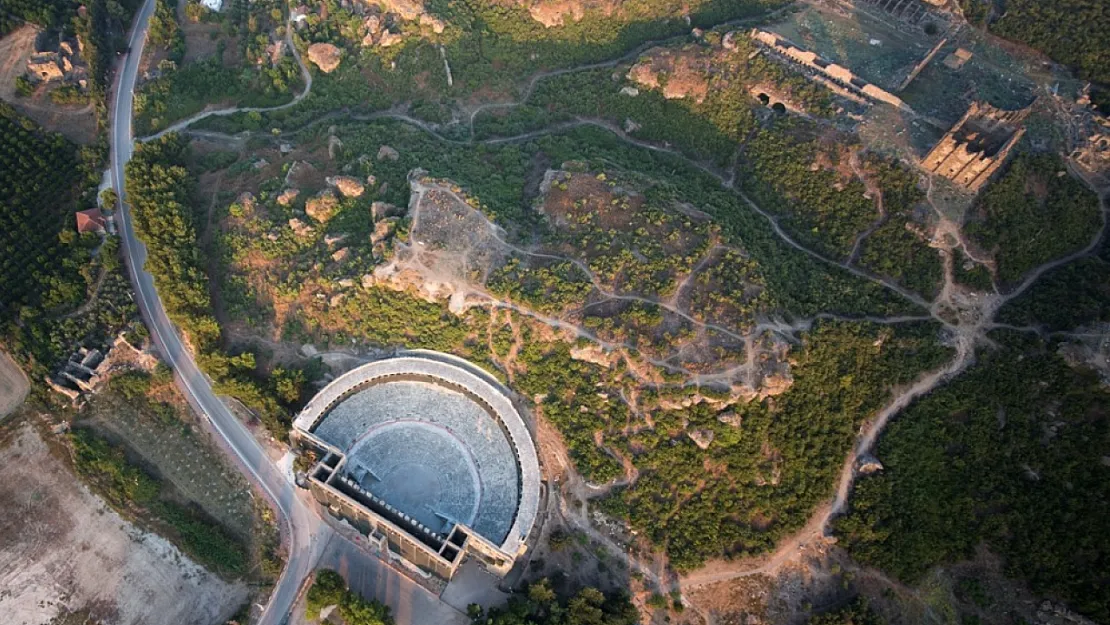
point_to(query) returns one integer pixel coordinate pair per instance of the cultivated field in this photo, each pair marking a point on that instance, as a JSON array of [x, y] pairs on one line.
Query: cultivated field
[[62, 550], [13, 385]]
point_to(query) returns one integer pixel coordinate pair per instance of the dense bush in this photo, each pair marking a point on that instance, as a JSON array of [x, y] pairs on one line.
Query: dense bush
[[540, 605], [1011, 455], [329, 588], [1033, 214], [159, 188], [39, 184]]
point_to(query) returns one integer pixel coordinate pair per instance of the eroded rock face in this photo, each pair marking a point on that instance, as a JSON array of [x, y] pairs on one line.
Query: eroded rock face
[[347, 185], [594, 354], [287, 196], [383, 230], [686, 73], [701, 438], [300, 228], [381, 210], [323, 206], [553, 13], [325, 56]]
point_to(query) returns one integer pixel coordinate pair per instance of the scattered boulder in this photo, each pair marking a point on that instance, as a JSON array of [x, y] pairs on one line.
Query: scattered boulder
[[287, 196], [325, 56], [372, 25], [594, 354], [323, 206], [868, 464], [630, 91], [436, 24], [332, 239], [348, 186], [381, 210], [731, 419], [300, 228], [383, 230], [389, 39], [407, 9], [371, 180], [341, 255], [386, 152], [701, 438], [631, 126], [729, 40], [368, 280]]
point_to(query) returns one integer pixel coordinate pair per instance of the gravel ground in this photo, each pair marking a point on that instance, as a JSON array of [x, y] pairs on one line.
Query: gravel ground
[[63, 549]]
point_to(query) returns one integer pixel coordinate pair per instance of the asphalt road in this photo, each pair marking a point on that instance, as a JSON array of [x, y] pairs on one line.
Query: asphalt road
[[305, 532], [307, 536]]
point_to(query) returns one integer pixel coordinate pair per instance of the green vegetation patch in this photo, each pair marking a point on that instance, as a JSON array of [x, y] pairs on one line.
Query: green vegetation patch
[[39, 181], [1033, 214], [1065, 298], [1009, 454], [769, 471], [127, 486], [329, 588]]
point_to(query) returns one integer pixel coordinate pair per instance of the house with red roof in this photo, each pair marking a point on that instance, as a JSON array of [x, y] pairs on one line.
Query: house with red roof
[[91, 220]]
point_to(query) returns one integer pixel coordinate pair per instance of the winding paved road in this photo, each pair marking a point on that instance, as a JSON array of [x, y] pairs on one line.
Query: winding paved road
[[306, 534], [309, 539]]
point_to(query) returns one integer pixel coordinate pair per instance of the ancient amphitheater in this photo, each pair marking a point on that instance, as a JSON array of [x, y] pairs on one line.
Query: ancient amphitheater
[[428, 457]]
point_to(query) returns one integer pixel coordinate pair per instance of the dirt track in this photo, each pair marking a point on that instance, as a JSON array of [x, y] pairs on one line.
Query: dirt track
[[63, 550], [13, 385]]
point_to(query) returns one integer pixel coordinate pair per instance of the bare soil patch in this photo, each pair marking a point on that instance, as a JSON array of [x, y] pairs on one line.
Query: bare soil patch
[[13, 385], [62, 549], [76, 122]]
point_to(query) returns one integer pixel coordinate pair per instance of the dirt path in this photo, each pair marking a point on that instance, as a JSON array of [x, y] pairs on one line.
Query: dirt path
[[14, 385], [305, 73]]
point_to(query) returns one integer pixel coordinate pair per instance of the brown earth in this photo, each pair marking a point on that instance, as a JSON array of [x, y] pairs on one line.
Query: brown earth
[[13, 385], [76, 122], [62, 549]]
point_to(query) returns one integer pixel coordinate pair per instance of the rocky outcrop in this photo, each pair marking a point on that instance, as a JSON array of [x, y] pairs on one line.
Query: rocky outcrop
[[686, 73], [383, 230], [323, 206], [388, 39], [594, 354], [287, 196], [381, 210], [387, 153], [730, 419], [325, 56], [553, 13], [701, 438], [300, 228], [347, 185]]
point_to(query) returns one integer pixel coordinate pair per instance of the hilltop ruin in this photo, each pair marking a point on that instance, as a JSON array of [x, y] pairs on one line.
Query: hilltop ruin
[[977, 146]]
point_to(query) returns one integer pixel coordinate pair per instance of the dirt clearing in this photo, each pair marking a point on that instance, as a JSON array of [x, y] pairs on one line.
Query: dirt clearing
[[76, 122], [63, 550], [13, 385]]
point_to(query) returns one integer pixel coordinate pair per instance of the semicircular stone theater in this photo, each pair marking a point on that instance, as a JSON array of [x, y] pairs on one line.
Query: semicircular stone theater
[[426, 456]]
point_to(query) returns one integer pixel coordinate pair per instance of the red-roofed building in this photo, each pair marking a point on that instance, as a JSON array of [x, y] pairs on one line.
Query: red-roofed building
[[91, 220]]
